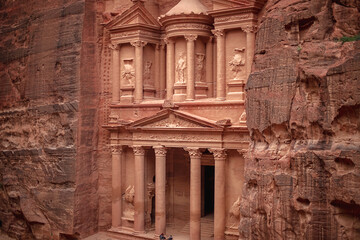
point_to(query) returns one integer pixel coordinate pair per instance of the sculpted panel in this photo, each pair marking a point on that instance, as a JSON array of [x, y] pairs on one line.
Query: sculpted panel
[[128, 72], [181, 68], [237, 63]]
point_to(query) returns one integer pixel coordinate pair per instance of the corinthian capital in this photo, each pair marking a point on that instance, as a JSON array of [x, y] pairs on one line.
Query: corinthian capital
[[218, 32], [194, 152], [168, 40], [249, 29], [160, 150], [190, 37], [219, 153], [113, 46], [138, 43], [139, 150], [116, 149]]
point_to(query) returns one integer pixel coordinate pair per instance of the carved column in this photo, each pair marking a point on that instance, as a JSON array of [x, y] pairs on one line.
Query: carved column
[[220, 53], [116, 73], [209, 67], [195, 193], [116, 153], [160, 199], [190, 56], [162, 71], [250, 47], [157, 70], [170, 68], [139, 70], [220, 199], [139, 198]]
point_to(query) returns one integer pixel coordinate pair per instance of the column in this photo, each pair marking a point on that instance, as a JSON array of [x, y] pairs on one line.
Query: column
[[139, 70], [190, 56], [116, 153], [139, 198], [157, 70], [170, 68], [209, 67], [250, 47], [219, 208], [116, 73], [160, 199], [195, 193], [162, 71], [221, 75]]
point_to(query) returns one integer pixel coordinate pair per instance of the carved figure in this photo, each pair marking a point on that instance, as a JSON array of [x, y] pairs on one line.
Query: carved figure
[[234, 213], [129, 199], [128, 73], [200, 57], [180, 68], [237, 62], [147, 73]]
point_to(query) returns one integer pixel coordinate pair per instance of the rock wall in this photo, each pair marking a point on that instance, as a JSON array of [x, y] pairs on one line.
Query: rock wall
[[48, 114], [303, 111]]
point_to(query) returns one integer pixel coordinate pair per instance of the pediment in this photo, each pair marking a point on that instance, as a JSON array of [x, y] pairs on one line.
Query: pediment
[[135, 15], [222, 4], [173, 119]]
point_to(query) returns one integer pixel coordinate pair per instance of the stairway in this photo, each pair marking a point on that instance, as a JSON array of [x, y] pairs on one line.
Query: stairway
[[207, 227]]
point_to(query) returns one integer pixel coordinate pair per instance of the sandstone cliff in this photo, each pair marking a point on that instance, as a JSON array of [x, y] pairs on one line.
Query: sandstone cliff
[[303, 111]]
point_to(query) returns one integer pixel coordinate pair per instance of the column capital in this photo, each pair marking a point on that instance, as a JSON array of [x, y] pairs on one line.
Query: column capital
[[168, 40], [138, 150], [113, 46], [194, 152], [190, 37], [249, 29], [116, 149], [219, 153], [218, 32], [160, 150], [242, 151], [138, 43]]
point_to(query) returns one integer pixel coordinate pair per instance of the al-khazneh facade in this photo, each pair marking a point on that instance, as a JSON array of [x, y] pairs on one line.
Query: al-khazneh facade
[[177, 120]]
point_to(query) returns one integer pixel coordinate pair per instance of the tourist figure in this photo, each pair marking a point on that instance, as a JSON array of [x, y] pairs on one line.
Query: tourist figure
[[170, 238], [162, 237]]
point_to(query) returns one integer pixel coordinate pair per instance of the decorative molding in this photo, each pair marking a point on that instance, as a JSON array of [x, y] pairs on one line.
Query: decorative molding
[[160, 150], [138, 43], [138, 150], [188, 26], [218, 32], [190, 37], [194, 152], [231, 18], [219, 153]]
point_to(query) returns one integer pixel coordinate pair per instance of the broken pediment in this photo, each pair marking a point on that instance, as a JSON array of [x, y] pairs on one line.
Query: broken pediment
[[135, 15], [222, 4], [173, 119]]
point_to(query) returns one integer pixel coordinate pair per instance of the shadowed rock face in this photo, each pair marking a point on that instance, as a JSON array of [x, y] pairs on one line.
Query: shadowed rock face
[[303, 111], [44, 158]]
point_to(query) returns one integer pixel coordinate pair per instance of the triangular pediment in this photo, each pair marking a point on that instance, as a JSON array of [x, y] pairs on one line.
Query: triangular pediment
[[135, 15], [222, 4], [173, 119]]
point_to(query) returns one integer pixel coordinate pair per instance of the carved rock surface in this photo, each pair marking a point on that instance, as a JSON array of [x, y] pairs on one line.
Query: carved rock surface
[[303, 111], [47, 118]]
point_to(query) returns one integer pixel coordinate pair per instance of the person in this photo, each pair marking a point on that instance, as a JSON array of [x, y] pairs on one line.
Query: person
[[162, 237], [170, 238]]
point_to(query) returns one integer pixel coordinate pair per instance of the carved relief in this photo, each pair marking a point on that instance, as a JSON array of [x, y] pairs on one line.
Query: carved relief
[[113, 118], [237, 63], [188, 26], [173, 123], [147, 73], [180, 68], [234, 213], [200, 60], [128, 197], [128, 72], [150, 195], [243, 117], [232, 18]]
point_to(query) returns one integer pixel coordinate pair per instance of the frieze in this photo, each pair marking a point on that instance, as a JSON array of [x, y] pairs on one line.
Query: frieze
[[232, 18], [188, 26], [173, 123], [176, 137]]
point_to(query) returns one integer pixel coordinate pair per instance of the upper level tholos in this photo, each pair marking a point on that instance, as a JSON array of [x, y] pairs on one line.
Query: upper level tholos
[[190, 55]]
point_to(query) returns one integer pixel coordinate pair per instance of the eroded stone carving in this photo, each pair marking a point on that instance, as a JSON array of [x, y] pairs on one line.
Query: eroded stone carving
[[180, 68], [200, 61], [173, 123], [147, 73], [128, 197], [237, 62], [234, 213], [128, 73]]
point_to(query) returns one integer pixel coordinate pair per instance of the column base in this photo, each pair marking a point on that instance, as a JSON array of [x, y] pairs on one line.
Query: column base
[[149, 92], [236, 89], [179, 92], [201, 89], [127, 95]]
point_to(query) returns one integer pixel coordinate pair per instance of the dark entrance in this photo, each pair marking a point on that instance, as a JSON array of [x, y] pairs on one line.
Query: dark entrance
[[208, 177]]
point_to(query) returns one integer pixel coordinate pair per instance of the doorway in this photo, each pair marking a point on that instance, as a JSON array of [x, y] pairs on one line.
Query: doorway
[[208, 180]]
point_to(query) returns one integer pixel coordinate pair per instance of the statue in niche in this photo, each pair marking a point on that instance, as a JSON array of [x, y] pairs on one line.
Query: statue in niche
[[147, 73], [129, 199], [180, 68], [237, 62], [128, 73], [234, 213], [200, 57]]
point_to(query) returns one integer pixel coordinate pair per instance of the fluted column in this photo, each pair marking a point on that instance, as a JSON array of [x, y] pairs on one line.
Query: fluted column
[[170, 68], [195, 193], [139, 70], [220, 53], [116, 73], [116, 153], [250, 48], [160, 199], [209, 67], [162, 71], [139, 198], [220, 199], [190, 56]]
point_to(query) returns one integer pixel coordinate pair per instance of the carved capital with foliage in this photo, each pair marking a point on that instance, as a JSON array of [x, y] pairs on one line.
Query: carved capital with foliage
[[138, 150], [159, 150], [218, 33], [193, 152], [138, 43], [116, 149], [219, 154], [190, 37]]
